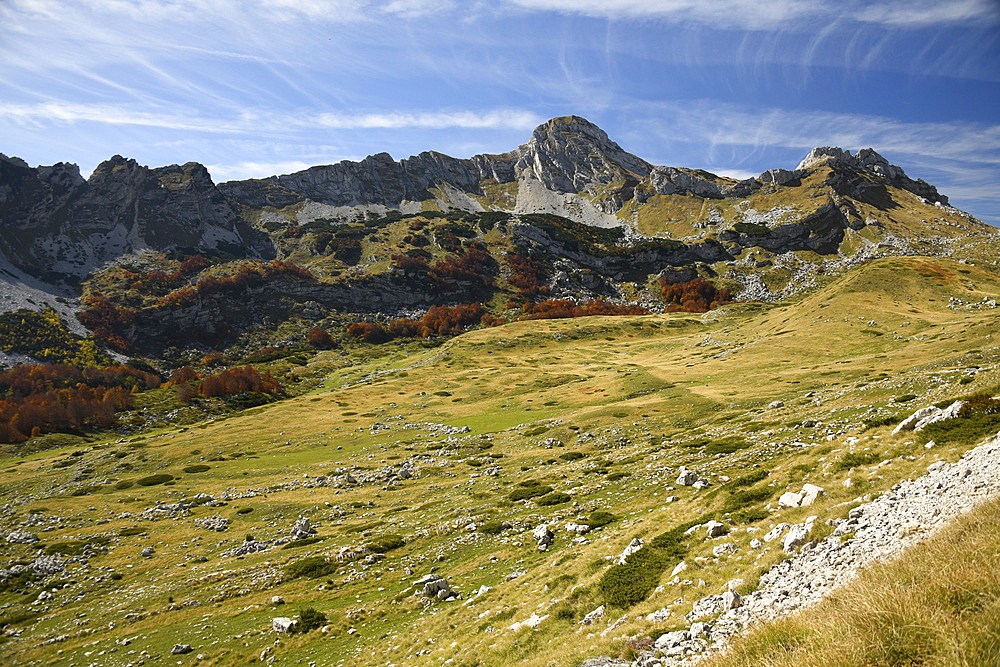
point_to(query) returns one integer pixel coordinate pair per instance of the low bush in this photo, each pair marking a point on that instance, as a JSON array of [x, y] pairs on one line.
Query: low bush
[[600, 518], [493, 527], [631, 582], [855, 459], [153, 480], [743, 497], [386, 543], [310, 619], [554, 499], [310, 568], [526, 492], [305, 541], [197, 468], [750, 478], [572, 456]]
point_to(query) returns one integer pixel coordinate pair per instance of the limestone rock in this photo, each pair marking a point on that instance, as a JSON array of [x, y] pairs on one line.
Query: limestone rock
[[687, 477], [283, 624], [22, 537], [810, 492], [181, 649], [594, 616], [543, 536], [633, 546], [790, 499]]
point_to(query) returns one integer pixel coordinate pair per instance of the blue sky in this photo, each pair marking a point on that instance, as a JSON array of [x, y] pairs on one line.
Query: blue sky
[[258, 87]]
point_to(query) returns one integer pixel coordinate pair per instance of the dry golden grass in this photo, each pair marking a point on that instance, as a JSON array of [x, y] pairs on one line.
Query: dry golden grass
[[938, 604]]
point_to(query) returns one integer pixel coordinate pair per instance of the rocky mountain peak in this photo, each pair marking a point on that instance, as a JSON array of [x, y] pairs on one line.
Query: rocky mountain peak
[[867, 159], [569, 142]]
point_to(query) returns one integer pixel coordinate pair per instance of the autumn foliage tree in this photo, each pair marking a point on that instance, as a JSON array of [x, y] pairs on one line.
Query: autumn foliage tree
[[109, 323], [526, 275], [239, 380], [321, 339], [60, 398], [693, 296]]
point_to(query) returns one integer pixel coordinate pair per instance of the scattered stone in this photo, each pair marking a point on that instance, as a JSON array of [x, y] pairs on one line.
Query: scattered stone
[[543, 536], [435, 586], [679, 568], [216, 523], [594, 616], [22, 537], [532, 622], [147, 552], [181, 649], [277, 599], [715, 529], [578, 528], [633, 546], [798, 534], [687, 477], [774, 405], [724, 549]]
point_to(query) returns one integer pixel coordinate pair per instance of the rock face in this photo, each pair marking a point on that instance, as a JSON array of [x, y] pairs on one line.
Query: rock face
[[53, 223], [867, 160]]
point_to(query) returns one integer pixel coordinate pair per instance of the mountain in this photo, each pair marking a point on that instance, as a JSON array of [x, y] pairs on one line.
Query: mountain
[[58, 225], [591, 220]]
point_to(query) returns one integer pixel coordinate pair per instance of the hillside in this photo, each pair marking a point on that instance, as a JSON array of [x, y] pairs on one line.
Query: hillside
[[413, 459]]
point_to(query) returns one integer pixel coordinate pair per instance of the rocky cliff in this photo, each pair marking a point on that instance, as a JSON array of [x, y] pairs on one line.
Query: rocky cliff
[[58, 225]]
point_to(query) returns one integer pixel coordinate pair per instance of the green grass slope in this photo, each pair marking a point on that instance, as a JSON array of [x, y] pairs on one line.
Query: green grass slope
[[599, 413]]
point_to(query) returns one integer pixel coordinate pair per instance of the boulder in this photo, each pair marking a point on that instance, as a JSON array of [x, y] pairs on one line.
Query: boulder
[[22, 537], [543, 536], [798, 535], [687, 477], [633, 546], [671, 639], [302, 529], [776, 532], [724, 549], [774, 405], [924, 417], [594, 616], [715, 529], [790, 499], [283, 624], [810, 492], [181, 649]]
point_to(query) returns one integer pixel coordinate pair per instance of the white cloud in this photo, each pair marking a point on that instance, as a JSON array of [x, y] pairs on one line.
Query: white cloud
[[257, 122], [716, 124], [777, 14], [243, 170], [506, 119]]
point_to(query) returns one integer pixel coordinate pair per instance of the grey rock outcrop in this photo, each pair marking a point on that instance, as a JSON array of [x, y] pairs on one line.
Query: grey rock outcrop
[[56, 223], [924, 417], [543, 536]]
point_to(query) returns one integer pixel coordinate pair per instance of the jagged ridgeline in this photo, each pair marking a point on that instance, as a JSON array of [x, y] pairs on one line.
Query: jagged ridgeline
[[166, 259]]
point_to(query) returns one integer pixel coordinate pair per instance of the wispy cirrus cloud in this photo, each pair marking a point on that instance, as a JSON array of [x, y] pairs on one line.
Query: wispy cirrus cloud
[[755, 15], [185, 119]]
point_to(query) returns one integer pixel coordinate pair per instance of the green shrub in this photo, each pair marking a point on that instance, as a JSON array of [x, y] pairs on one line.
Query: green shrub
[[305, 541], [386, 543], [615, 476], [310, 568], [726, 446], [125, 484], [310, 619], [750, 478], [554, 499], [751, 515], [572, 456], [197, 468], [743, 497], [905, 398], [600, 518], [493, 527], [855, 459], [525, 492], [630, 583], [153, 480], [244, 510], [129, 531]]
